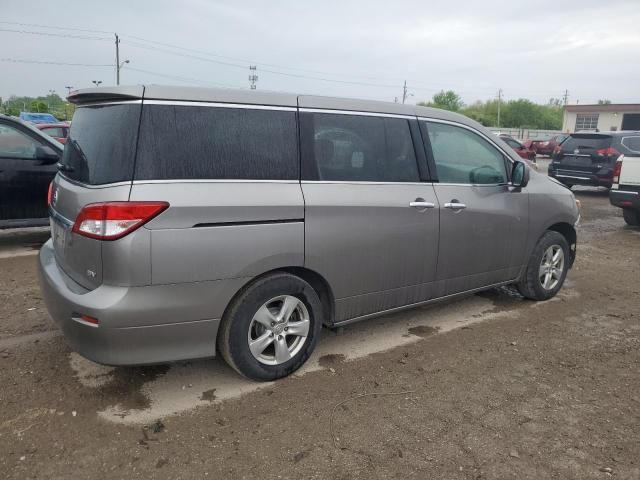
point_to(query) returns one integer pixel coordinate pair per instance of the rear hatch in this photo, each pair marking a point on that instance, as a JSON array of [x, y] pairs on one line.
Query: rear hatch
[[96, 166], [587, 153]]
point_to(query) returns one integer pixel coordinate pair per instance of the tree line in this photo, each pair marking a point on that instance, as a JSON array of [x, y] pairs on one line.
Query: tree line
[[519, 113], [52, 103]]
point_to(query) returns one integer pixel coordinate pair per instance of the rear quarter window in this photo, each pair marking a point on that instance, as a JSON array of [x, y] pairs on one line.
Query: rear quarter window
[[201, 142], [102, 144]]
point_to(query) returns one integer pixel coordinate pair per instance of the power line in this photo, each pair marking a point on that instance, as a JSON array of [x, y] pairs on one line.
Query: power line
[[186, 79], [47, 62], [176, 47], [39, 25], [50, 34], [243, 66]]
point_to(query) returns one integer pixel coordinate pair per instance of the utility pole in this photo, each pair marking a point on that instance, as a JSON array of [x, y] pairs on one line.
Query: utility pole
[[405, 92], [499, 103], [565, 97], [117, 59], [253, 78]]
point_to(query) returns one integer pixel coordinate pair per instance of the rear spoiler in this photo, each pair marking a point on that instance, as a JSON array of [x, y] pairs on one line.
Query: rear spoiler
[[104, 94]]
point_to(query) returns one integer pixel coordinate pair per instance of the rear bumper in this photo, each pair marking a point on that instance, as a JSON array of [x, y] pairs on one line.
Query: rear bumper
[[625, 197], [137, 325], [575, 177]]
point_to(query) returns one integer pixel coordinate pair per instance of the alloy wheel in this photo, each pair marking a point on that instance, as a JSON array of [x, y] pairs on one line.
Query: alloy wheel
[[551, 267], [279, 330]]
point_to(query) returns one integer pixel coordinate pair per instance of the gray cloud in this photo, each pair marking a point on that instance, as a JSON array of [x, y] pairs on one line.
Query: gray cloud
[[529, 50]]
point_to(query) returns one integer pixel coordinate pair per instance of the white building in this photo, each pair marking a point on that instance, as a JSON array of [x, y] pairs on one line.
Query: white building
[[601, 117]]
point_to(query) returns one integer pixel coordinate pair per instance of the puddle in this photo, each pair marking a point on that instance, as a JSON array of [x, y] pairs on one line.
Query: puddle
[[184, 386], [331, 359], [423, 331]]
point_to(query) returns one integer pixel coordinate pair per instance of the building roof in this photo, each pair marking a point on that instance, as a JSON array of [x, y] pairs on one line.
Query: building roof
[[612, 107]]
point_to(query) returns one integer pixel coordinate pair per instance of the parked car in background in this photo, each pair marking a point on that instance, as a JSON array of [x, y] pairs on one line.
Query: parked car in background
[[33, 117], [546, 145], [625, 191], [188, 222], [28, 160], [59, 131], [520, 149], [589, 158]]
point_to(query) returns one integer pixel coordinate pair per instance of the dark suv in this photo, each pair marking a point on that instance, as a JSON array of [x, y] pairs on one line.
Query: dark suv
[[588, 158]]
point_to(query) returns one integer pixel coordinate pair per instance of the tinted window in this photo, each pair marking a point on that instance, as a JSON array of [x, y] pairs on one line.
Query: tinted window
[[15, 144], [185, 142], [357, 148], [586, 141], [462, 156], [102, 144]]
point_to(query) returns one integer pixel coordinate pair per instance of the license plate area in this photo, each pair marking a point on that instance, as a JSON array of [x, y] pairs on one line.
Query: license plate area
[[575, 161], [59, 235]]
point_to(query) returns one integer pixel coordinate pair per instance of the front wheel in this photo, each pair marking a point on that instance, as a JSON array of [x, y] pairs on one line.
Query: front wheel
[[547, 267], [271, 328], [632, 217]]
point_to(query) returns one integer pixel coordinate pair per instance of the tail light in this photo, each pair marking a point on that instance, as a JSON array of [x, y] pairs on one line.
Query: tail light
[[608, 152], [114, 220], [557, 150], [617, 168], [50, 194]]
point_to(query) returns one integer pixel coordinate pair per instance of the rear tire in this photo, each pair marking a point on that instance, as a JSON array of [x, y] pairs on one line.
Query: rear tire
[[271, 327], [632, 217], [547, 267]]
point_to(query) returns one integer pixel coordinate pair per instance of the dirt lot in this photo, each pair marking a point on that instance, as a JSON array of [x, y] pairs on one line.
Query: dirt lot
[[490, 387]]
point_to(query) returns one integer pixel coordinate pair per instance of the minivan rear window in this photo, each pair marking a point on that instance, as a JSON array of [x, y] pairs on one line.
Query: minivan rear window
[[210, 142], [586, 141], [102, 144]]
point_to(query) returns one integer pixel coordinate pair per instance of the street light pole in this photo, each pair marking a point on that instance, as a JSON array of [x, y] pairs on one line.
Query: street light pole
[[119, 67], [96, 82]]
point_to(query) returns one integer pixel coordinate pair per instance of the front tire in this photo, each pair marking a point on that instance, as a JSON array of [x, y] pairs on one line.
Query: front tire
[[547, 267], [632, 217], [271, 328]]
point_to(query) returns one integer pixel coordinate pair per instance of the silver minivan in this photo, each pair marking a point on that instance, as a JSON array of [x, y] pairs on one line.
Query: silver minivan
[[188, 222]]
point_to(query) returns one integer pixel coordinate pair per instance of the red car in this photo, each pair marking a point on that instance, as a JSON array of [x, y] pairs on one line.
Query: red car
[[545, 146], [522, 150], [59, 131]]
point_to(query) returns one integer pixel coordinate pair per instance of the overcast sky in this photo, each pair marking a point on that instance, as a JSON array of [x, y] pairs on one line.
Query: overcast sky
[[366, 48]]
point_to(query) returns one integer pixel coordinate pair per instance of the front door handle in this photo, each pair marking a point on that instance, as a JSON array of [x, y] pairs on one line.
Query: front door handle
[[455, 205], [420, 204]]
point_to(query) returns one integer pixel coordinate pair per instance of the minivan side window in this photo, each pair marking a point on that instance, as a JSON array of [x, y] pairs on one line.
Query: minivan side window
[[462, 156], [352, 148], [202, 142]]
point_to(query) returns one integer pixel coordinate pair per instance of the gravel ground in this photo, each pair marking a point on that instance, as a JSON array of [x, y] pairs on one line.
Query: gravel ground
[[491, 387]]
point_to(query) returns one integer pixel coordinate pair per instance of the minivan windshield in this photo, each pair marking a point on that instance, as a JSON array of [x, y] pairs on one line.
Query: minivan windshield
[[586, 141], [102, 144]]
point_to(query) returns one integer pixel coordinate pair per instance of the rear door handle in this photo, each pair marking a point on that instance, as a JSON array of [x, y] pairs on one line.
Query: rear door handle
[[455, 205], [419, 203]]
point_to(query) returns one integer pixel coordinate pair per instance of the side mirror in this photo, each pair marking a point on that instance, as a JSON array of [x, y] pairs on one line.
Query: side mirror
[[46, 155], [520, 175]]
